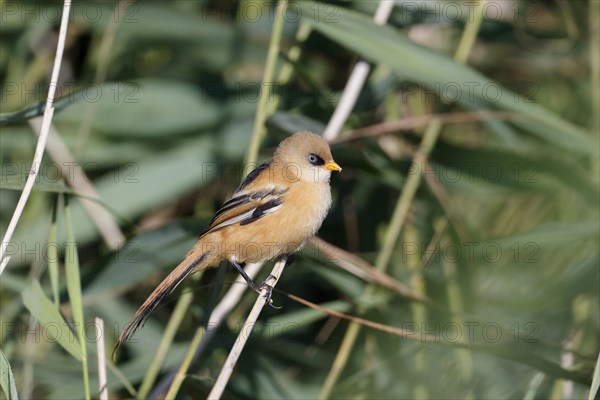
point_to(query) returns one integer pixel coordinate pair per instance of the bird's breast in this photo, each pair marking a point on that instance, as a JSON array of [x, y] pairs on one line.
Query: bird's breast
[[306, 206]]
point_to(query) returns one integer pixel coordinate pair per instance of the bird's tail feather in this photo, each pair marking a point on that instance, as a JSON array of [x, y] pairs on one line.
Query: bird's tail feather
[[161, 291]]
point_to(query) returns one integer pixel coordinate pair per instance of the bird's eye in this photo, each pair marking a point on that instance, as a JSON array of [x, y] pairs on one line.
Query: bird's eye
[[315, 159]]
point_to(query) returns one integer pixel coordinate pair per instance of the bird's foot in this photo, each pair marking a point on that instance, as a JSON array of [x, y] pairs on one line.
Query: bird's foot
[[269, 291]]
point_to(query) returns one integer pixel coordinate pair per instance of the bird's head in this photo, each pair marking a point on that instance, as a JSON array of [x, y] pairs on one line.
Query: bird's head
[[307, 157]]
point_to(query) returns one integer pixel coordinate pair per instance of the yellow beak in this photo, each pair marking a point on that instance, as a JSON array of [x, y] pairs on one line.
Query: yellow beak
[[332, 166]]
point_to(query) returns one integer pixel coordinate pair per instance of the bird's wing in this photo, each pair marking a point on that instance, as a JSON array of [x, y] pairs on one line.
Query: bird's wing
[[246, 208], [251, 177]]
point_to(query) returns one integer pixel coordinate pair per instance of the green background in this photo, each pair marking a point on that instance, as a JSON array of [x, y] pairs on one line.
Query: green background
[[157, 104]]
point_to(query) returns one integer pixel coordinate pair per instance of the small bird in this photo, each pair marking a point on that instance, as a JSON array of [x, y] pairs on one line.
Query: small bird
[[272, 214]]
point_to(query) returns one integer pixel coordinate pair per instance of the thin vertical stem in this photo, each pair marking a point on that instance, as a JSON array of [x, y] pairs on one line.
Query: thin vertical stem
[[43, 137], [287, 69], [53, 255], [181, 373], [457, 307], [408, 194], [357, 80], [73, 276], [177, 316], [106, 43], [265, 88], [418, 310], [594, 22], [101, 353]]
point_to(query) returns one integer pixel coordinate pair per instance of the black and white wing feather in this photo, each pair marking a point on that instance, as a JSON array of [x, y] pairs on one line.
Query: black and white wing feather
[[247, 206]]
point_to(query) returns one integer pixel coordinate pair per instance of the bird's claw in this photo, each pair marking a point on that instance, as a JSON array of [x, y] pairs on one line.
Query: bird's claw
[[269, 291]]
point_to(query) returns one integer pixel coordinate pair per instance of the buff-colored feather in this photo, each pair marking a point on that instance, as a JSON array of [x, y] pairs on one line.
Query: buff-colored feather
[[276, 209]]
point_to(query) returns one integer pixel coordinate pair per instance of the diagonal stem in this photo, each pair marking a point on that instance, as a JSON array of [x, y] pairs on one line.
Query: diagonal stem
[[244, 335]]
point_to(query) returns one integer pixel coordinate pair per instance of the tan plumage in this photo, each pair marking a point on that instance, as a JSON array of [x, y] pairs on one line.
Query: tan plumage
[[274, 211]]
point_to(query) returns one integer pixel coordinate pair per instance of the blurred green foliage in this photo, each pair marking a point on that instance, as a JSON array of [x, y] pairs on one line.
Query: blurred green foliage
[[157, 105]]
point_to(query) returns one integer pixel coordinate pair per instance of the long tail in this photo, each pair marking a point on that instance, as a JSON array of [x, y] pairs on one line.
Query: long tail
[[166, 286]]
